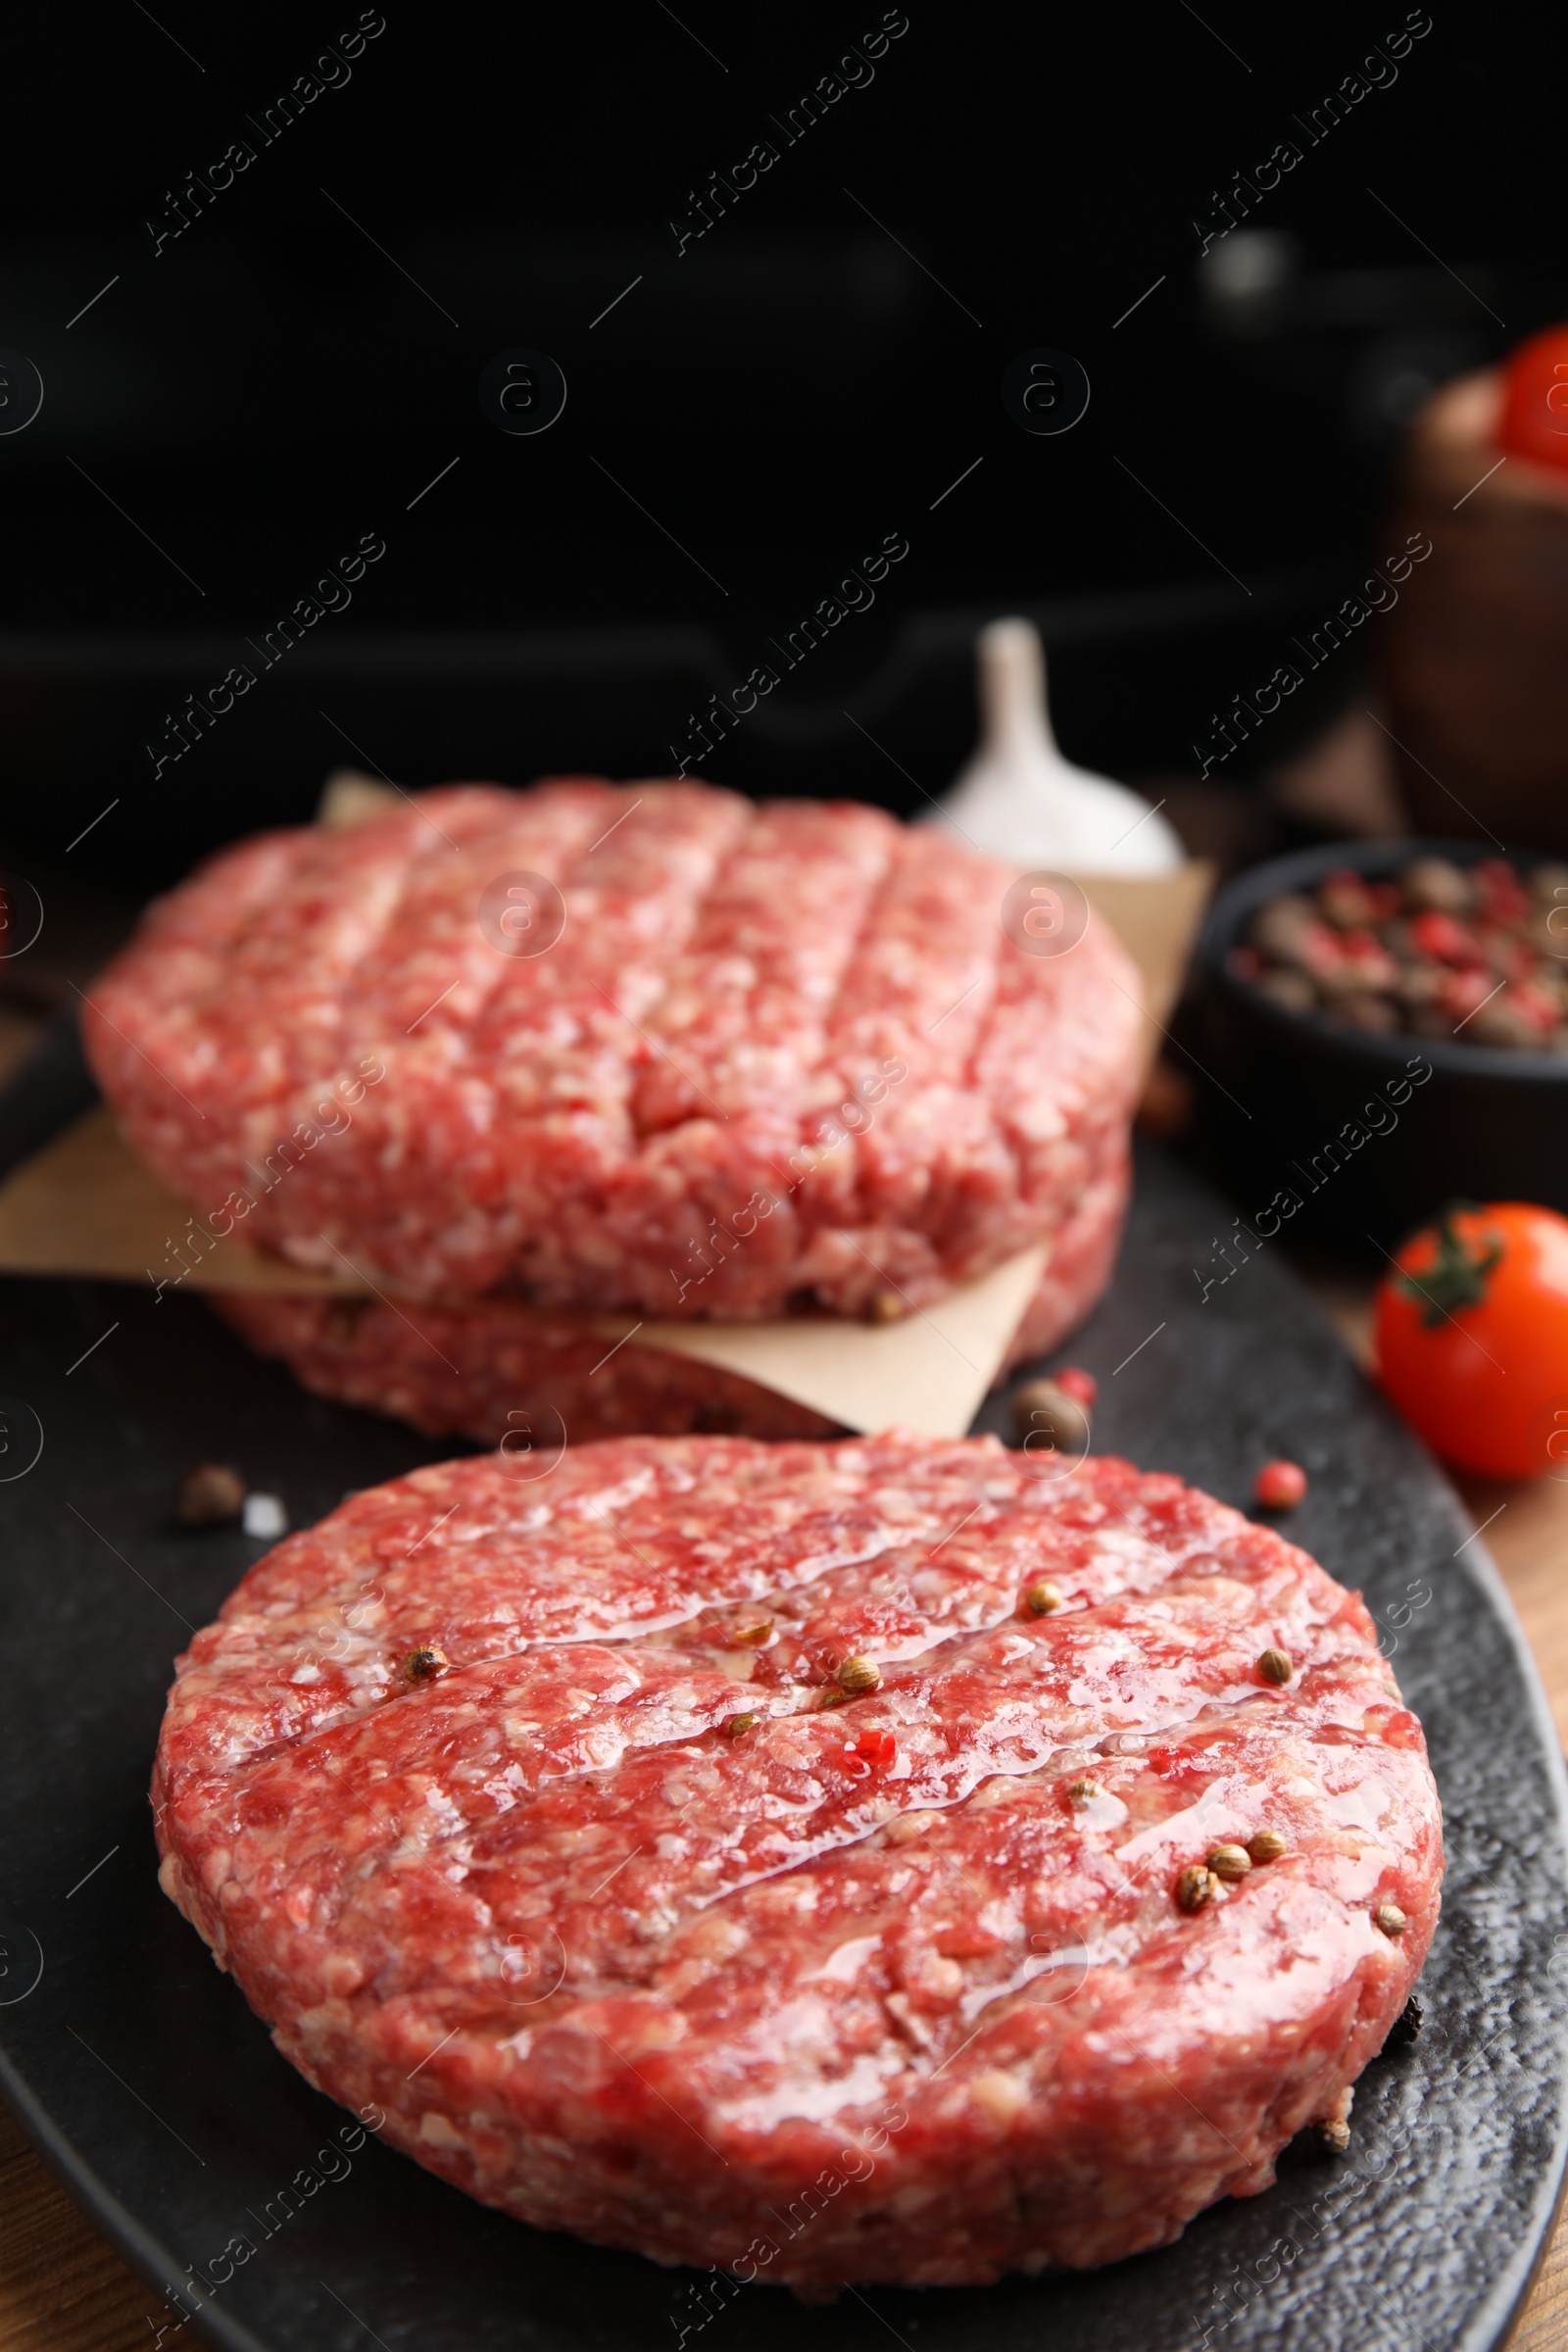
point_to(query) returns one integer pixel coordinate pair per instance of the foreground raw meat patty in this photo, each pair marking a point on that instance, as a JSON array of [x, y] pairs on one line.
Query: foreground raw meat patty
[[516, 1809], [778, 1057]]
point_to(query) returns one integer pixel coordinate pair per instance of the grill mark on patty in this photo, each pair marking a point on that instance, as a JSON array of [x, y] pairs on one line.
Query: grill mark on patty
[[807, 865], [451, 1183], [917, 1699], [804, 1667], [1075, 1517], [685, 910], [512, 835], [621, 1940], [828, 1507]]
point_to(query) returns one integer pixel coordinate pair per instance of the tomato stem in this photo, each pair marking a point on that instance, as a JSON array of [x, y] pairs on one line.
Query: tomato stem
[[1456, 1277]]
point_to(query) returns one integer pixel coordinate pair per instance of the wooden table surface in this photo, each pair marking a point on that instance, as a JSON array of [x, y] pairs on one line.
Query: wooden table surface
[[61, 2287]]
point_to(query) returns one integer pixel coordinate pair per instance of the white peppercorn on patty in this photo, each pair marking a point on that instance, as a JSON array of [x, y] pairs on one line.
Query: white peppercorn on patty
[[857, 1861], [778, 1057]]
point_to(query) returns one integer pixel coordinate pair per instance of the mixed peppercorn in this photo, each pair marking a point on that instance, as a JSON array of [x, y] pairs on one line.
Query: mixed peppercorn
[[1438, 949]]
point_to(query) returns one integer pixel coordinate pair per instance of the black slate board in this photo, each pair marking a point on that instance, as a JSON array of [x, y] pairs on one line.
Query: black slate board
[[142, 2075]]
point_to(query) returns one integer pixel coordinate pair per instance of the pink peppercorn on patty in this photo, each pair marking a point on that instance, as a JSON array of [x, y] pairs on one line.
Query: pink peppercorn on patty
[[824, 1861]]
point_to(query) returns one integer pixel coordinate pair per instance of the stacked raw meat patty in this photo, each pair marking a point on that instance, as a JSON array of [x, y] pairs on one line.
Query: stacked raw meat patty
[[809, 1860], [778, 1059]]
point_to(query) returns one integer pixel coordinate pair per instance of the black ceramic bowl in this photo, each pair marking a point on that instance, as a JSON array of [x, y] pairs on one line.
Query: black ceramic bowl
[[1342, 1120]]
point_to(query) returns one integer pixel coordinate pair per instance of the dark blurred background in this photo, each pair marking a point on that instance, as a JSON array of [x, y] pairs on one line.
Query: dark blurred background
[[746, 419]]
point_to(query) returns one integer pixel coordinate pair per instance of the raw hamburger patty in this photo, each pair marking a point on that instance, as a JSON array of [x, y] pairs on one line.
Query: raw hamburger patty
[[494, 1373], [627, 1933], [803, 1022]]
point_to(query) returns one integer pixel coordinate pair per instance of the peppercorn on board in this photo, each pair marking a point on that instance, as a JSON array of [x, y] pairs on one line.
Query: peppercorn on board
[[239, 2182]]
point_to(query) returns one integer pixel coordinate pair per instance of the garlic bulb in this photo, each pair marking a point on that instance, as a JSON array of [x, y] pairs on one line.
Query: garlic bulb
[[1020, 800]]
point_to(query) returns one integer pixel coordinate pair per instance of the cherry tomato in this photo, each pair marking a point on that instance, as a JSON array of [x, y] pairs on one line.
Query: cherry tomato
[[1280, 1486], [1471, 1331], [1081, 1386], [1535, 400]]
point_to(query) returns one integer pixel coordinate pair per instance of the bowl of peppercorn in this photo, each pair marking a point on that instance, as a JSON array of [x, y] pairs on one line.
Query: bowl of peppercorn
[[1383, 1028]]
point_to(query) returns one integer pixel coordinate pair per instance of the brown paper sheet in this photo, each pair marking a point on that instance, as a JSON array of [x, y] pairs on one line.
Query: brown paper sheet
[[85, 1205], [929, 1372], [1156, 917]]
